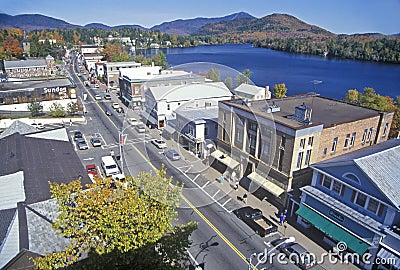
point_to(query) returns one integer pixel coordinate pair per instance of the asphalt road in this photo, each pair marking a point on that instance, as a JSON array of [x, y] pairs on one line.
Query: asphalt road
[[221, 241]]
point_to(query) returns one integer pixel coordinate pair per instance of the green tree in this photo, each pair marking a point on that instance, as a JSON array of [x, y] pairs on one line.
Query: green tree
[[35, 107], [243, 77], [395, 128], [352, 96], [214, 75], [72, 108], [160, 59], [280, 90], [229, 83], [56, 110], [126, 225]]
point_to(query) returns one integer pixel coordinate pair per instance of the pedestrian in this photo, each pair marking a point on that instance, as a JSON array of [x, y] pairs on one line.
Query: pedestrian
[[236, 186], [112, 153], [70, 122], [245, 198], [281, 219]]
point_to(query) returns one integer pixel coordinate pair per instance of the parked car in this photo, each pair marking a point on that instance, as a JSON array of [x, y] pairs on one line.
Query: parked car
[[160, 144], [97, 97], [299, 255], [108, 112], [115, 105], [118, 177], [281, 243], [255, 220], [172, 154], [140, 128], [107, 96], [38, 125], [92, 170], [120, 110], [95, 142], [77, 135], [96, 85], [133, 121], [81, 144]]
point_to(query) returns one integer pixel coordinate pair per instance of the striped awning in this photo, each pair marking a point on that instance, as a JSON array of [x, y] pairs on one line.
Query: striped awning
[[266, 184], [225, 159]]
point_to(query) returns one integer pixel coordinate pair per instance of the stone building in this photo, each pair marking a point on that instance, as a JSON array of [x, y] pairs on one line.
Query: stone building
[[30, 68]]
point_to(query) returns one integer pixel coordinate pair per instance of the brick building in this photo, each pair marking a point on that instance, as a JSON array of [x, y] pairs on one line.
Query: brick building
[[30, 68], [274, 141]]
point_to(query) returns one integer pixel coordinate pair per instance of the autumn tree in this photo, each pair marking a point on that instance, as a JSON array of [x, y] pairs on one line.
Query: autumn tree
[[214, 75], [120, 225], [112, 50], [280, 90], [12, 46], [352, 96]]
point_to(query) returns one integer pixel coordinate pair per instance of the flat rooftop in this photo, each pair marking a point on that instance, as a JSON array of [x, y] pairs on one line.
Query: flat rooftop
[[19, 85], [325, 111]]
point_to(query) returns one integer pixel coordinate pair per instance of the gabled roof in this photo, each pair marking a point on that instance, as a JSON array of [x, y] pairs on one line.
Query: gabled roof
[[248, 89], [24, 63], [18, 127], [380, 163]]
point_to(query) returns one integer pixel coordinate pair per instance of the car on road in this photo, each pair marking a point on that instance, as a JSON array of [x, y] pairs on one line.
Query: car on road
[[96, 85], [172, 154], [81, 144], [140, 128], [133, 121], [115, 105], [95, 141], [281, 243], [159, 143], [91, 170], [299, 255], [77, 135], [107, 96], [108, 112], [79, 74], [38, 125], [255, 220], [97, 97]]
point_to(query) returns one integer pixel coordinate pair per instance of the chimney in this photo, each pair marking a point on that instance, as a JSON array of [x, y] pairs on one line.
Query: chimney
[[303, 113], [152, 63], [267, 94]]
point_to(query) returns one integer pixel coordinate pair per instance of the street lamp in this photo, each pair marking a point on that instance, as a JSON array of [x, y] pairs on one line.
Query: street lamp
[[121, 141]]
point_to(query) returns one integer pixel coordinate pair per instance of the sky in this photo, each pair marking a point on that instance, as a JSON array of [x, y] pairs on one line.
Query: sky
[[337, 16]]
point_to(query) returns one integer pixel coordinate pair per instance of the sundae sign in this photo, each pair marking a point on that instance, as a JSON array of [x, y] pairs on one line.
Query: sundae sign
[[57, 89]]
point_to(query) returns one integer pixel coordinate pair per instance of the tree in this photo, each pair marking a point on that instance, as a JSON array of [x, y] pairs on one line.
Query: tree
[[243, 77], [35, 107], [229, 83], [12, 46], [160, 59], [395, 128], [280, 90], [112, 51], [56, 110], [352, 96], [120, 225], [214, 75], [72, 108]]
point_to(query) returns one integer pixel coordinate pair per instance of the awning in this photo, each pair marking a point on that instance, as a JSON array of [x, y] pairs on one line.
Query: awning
[[389, 257], [265, 183], [225, 159], [169, 129], [333, 230]]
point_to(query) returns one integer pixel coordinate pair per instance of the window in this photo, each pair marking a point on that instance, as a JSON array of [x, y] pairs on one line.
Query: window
[[206, 131], [325, 151], [327, 182], [239, 137], [364, 135], [373, 205], [385, 129], [308, 156], [361, 199], [353, 138], [299, 160], [207, 104], [302, 142], [352, 177], [347, 141], [310, 141], [168, 107], [369, 135], [337, 186], [253, 126], [136, 90], [334, 144]]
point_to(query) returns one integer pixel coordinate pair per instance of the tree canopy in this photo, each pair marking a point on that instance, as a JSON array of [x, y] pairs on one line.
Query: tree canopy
[[243, 77], [123, 225], [214, 75], [280, 90]]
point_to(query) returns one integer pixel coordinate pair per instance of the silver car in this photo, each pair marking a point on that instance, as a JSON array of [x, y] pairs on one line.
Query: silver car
[[172, 154]]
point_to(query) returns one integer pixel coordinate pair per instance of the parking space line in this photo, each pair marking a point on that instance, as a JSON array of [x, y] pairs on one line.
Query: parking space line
[[216, 193], [194, 179], [227, 201], [205, 184]]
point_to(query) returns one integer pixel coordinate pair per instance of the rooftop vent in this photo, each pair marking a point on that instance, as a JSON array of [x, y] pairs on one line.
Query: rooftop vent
[[272, 108], [302, 113]]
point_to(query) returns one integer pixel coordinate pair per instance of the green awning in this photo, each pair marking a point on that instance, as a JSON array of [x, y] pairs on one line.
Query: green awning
[[353, 243]]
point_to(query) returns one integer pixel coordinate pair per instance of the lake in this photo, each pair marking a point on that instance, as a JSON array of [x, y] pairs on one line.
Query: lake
[[297, 71]]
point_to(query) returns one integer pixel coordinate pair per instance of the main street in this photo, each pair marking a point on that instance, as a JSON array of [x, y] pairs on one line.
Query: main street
[[221, 241]]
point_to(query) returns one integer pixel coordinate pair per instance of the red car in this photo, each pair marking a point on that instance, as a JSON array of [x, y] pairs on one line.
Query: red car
[[91, 170]]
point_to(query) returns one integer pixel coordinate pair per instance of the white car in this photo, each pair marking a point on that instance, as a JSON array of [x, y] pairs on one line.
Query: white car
[[159, 143], [96, 85], [115, 105], [133, 121], [118, 177], [141, 128], [38, 125], [97, 97]]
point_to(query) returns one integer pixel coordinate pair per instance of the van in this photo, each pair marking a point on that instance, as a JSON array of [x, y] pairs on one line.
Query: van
[[109, 166]]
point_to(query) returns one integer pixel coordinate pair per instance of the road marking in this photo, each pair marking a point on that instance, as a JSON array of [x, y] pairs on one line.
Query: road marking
[[267, 244], [226, 201], [194, 179], [91, 158], [216, 193], [191, 257], [205, 184]]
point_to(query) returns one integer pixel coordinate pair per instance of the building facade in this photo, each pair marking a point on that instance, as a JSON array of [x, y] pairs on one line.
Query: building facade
[[275, 141], [30, 68], [355, 199], [249, 92], [111, 71]]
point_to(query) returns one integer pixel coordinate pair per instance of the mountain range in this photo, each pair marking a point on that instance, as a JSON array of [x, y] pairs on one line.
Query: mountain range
[[179, 27]]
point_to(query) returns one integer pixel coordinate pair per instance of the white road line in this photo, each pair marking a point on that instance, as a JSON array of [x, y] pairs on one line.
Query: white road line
[[267, 244], [91, 158], [216, 193], [226, 201], [194, 179], [204, 184], [188, 169], [193, 259]]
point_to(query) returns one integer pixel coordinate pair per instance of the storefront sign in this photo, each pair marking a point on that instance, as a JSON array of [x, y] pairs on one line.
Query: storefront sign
[[55, 90], [336, 215]]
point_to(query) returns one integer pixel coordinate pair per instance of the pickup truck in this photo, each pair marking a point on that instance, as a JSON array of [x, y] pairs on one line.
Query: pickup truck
[[255, 220]]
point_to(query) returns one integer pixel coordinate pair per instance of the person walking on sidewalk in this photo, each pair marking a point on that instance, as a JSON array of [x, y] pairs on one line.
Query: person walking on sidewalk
[[245, 198], [236, 186]]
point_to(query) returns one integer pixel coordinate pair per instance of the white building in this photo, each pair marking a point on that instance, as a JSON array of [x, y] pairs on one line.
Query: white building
[[249, 92], [111, 71], [161, 101]]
